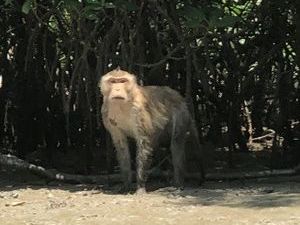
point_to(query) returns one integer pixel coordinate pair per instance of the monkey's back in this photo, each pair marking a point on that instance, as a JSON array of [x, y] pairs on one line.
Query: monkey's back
[[164, 95], [163, 104]]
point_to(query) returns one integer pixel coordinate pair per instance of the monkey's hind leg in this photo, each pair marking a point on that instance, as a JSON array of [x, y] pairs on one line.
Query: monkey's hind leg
[[178, 141], [178, 159]]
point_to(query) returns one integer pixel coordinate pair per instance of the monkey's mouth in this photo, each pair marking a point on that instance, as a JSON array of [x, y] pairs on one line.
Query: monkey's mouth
[[118, 98]]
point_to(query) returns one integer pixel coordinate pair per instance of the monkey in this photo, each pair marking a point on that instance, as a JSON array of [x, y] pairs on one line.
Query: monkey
[[147, 114]]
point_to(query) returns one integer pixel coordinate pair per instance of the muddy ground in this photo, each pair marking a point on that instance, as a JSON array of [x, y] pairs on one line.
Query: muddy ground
[[263, 201]]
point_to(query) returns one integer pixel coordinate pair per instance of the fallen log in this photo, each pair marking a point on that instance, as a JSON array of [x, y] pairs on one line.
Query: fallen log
[[52, 174]]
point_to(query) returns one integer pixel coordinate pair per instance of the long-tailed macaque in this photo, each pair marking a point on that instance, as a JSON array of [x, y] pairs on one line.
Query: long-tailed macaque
[[146, 114]]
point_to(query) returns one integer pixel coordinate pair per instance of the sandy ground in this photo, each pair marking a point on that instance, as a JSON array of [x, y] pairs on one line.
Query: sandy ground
[[229, 203]]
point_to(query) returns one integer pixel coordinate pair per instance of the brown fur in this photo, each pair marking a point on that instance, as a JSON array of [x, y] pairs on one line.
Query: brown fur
[[144, 113]]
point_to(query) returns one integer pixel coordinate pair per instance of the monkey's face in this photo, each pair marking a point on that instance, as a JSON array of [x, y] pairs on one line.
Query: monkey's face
[[118, 86], [119, 89]]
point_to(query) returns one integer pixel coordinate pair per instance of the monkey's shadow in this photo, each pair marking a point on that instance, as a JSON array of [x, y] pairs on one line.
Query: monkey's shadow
[[271, 192]]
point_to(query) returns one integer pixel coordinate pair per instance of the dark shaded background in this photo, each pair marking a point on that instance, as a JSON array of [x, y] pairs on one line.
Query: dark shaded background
[[236, 64]]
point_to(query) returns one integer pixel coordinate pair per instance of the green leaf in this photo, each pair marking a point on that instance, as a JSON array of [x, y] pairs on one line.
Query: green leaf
[[52, 23], [214, 15], [192, 23], [193, 16], [92, 16], [129, 6], [8, 2], [72, 4], [215, 12], [92, 1], [190, 13], [27, 6], [229, 20], [226, 21], [89, 13]]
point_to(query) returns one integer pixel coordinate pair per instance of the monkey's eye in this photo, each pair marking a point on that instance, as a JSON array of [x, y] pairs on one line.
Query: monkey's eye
[[122, 80], [118, 80]]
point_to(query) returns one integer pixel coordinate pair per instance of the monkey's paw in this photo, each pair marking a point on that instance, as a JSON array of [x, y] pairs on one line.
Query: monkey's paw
[[141, 191]]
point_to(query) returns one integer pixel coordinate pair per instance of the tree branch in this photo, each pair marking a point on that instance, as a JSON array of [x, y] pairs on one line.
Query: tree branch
[[168, 56]]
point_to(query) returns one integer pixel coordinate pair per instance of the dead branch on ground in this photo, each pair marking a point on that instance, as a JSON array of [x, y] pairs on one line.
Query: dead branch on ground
[[52, 174]]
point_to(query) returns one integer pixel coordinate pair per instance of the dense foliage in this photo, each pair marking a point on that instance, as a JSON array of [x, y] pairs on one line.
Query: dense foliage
[[236, 62]]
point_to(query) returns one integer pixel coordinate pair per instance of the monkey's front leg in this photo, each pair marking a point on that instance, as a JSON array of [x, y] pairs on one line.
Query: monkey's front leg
[[123, 156], [143, 161]]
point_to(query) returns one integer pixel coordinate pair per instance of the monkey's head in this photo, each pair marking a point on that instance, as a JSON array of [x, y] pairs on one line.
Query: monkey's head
[[118, 85]]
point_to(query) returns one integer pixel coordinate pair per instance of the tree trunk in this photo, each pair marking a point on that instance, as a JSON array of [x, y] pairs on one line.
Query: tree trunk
[[298, 32]]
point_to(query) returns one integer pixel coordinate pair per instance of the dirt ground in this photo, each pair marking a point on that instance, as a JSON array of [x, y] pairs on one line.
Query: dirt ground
[[264, 201]]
